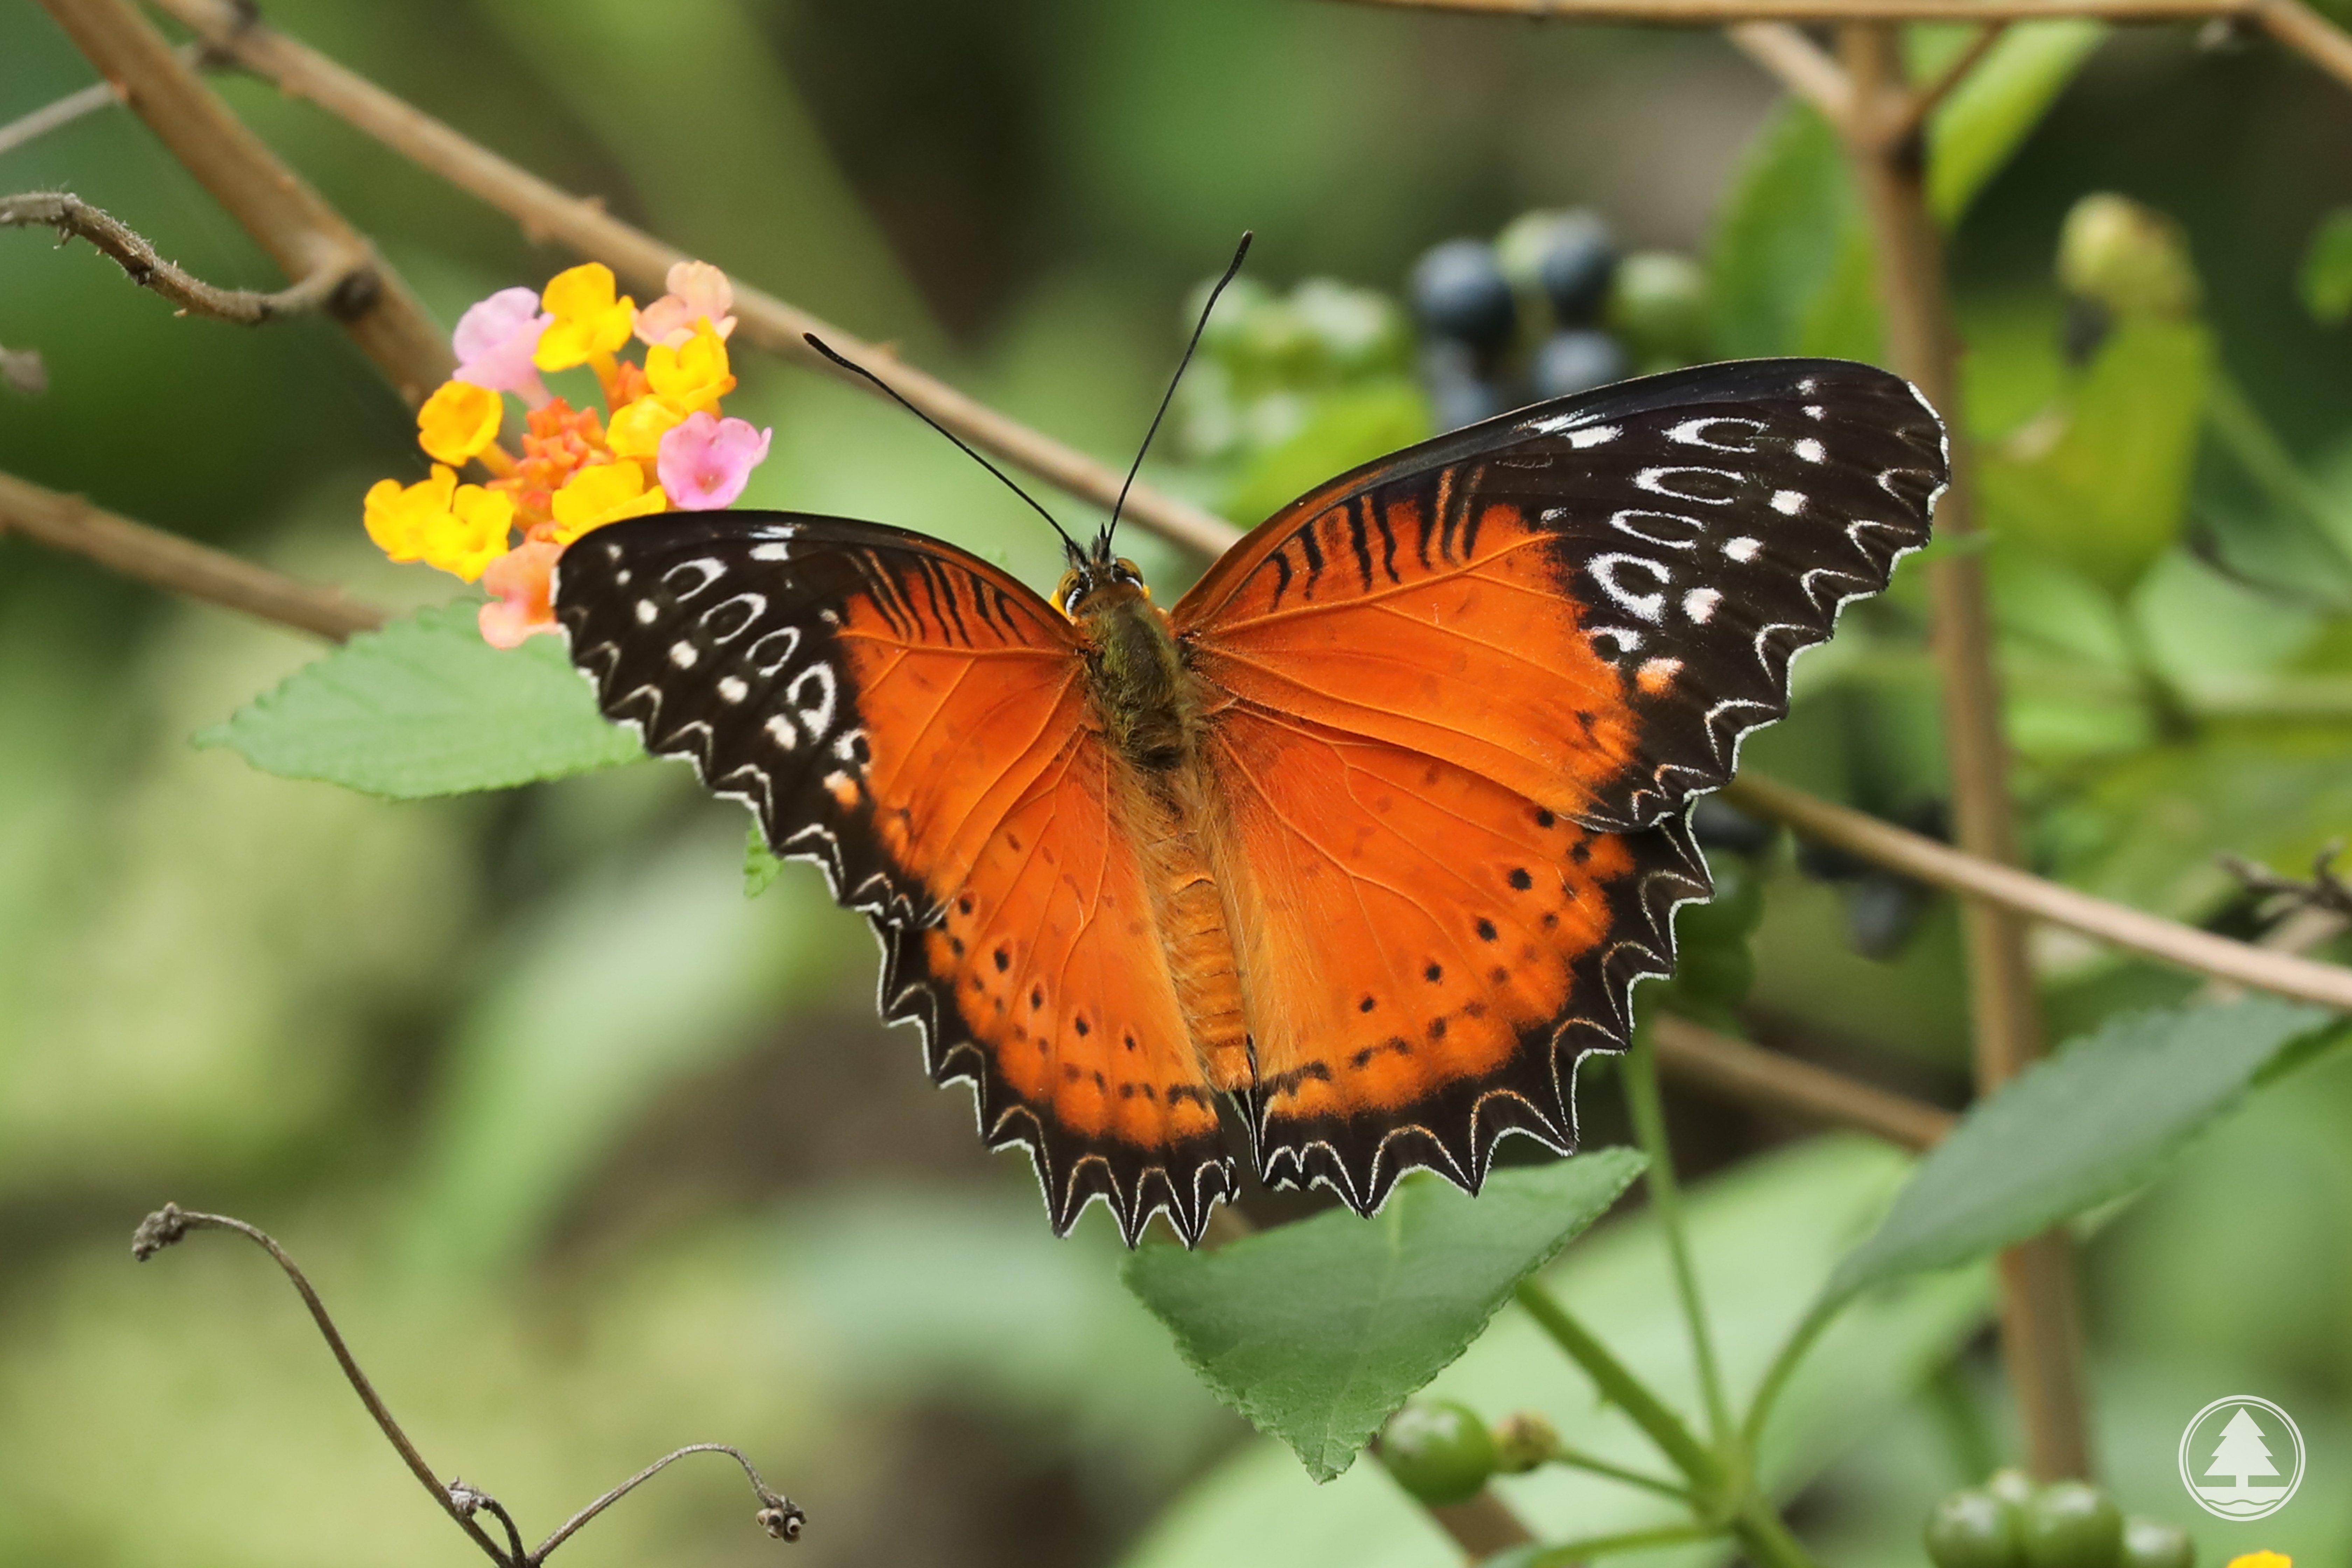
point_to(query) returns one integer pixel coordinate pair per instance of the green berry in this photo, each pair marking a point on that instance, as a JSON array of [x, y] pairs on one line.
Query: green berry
[[2013, 1487], [1657, 304], [2070, 1524], [2150, 1544], [1361, 331], [1440, 1452], [1973, 1530], [1524, 1440], [2127, 258]]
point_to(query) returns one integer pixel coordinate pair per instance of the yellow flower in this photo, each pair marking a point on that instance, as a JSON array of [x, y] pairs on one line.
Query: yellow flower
[[459, 421], [472, 534], [691, 379], [589, 320], [2262, 1560], [637, 429], [605, 492], [399, 516]]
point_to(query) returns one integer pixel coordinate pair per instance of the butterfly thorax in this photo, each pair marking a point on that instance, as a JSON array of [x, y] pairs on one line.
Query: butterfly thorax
[[1140, 685]]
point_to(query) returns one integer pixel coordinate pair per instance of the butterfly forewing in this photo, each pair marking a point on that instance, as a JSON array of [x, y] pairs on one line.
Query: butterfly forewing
[[1590, 600], [917, 723]]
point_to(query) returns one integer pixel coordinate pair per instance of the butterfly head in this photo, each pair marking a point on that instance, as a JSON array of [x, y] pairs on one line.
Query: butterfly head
[[1098, 581]]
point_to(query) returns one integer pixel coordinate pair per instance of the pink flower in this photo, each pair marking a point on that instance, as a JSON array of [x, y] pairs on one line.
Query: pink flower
[[698, 291], [519, 582], [495, 340], [704, 462]]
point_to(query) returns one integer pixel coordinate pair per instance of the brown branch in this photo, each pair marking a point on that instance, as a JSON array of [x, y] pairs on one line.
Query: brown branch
[[1923, 100], [778, 1515], [546, 212], [2041, 1337], [1802, 65], [180, 565], [1483, 1526], [2291, 21], [285, 217], [73, 217], [1754, 1076]]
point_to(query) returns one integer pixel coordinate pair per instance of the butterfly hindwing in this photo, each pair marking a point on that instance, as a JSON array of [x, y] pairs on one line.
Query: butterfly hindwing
[[1430, 953], [1591, 600], [917, 723]]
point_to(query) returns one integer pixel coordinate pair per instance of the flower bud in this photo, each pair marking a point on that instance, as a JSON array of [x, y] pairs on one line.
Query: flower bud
[[1523, 1440], [2129, 259]]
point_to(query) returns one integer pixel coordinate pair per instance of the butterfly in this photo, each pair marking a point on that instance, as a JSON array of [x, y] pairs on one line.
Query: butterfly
[[1368, 838]]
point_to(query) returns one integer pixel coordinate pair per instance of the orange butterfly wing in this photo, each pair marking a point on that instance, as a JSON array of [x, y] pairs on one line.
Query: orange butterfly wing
[[1461, 699], [917, 723]]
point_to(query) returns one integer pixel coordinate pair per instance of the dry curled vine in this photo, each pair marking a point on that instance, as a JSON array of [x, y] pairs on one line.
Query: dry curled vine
[[778, 1514]]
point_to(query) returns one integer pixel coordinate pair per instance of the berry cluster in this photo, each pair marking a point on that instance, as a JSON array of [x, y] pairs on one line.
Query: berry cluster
[[1547, 309], [2010, 1522]]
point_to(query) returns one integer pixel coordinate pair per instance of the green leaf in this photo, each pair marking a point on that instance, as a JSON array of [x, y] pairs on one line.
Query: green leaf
[[2101, 482], [1320, 1331], [1783, 237], [1765, 1234], [2090, 1124], [425, 706], [761, 865], [1349, 425], [1987, 117], [2327, 277]]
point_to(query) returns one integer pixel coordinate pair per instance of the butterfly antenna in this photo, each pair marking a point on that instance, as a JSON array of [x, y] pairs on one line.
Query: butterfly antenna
[[1232, 271], [895, 396]]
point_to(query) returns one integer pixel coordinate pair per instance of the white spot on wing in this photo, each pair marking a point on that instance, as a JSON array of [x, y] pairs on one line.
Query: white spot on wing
[[732, 690], [1650, 607], [780, 729], [1743, 549], [1599, 436], [771, 551], [1788, 503], [1699, 604], [1812, 451], [682, 655], [646, 612]]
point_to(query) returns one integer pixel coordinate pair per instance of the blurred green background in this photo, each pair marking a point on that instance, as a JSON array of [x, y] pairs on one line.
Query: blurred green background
[[595, 1157]]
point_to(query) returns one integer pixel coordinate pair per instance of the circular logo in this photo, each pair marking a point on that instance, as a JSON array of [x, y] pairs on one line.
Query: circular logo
[[2241, 1457]]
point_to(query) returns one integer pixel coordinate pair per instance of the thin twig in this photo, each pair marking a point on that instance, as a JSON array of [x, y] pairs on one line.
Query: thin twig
[[74, 106], [2326, 891], [1482, 1526], [1696, 1054], [2151, 936], [1803, 67], [779, 1515], [73, 217], [181, 565], [1922, 100], [546, 212], [285, 217], [168, 1224]]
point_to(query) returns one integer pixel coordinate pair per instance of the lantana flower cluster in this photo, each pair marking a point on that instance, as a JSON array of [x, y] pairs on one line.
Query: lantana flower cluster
[[659, 444]]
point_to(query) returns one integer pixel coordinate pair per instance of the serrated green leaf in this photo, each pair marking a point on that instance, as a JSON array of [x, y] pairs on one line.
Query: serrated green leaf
[[2327, 277], [2090, 1124], [1988, 116], [425, 706], [1320, 1331]]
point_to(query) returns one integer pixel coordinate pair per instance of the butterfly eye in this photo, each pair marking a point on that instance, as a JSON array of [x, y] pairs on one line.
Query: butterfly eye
[[1125, 570], [1073, 588]]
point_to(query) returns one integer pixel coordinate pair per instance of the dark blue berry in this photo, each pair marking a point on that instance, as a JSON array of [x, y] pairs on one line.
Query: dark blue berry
[[1882, 911], [1719, 826], [1459, 291], [1577, 360], [1574, 263], [1459, 393]]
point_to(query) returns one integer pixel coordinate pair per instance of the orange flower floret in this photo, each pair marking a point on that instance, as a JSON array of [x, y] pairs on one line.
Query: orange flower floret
[[605, 493], [694, 377], [459, 421], [559, 441], [589, 320]]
